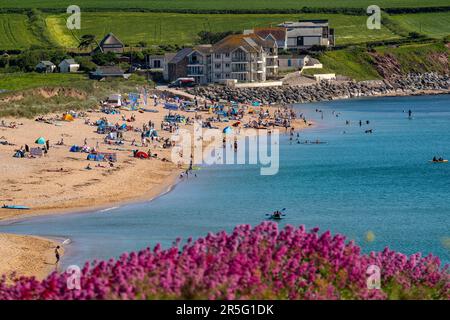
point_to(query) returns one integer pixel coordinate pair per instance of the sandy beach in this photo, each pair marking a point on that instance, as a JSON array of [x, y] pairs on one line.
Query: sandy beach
[[58, 182], [26, 256]]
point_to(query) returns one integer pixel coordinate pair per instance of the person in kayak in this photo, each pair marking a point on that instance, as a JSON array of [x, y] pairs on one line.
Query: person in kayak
[[277, 214], [435, 159]]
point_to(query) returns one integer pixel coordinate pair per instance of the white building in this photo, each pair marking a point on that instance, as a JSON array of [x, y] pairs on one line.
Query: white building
[[307, 33], [240, 57], [68, 65], [45, 67]]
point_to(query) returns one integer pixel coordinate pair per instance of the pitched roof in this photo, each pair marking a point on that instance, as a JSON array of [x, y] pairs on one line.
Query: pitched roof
[[278, 33], [47, 63], [109, 70], [250, 42], [203, 48], [69, 61], [180, 55], [110, 39]]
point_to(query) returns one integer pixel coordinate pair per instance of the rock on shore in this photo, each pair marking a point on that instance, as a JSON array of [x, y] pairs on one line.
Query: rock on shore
[[323, 91]]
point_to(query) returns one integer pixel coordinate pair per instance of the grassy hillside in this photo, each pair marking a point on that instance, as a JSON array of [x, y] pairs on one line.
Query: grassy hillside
[[15, 32], [355, 63], [435, 25], [20, 81], [173, 28], [219, 4], [85, 93], [419, 57], [359, 64]]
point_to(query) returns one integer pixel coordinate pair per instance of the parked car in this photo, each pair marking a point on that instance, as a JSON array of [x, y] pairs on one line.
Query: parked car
[[183, 83]]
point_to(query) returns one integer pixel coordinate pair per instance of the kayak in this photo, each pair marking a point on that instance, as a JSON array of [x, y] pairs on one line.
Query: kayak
[[275, 217], [15, 207], [442, 161]]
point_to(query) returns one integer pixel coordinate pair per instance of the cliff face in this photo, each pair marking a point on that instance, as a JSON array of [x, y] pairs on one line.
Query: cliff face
[[393, 63]]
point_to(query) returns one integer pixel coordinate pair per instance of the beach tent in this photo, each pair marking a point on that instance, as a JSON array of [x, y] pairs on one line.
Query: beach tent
[[151, 133], [227, 130], [75, 148], [141, 155], [68, 117], [95, 157], [170, 106], [40, 140]]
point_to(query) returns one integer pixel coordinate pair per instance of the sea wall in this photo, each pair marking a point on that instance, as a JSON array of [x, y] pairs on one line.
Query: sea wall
[[325, 90]]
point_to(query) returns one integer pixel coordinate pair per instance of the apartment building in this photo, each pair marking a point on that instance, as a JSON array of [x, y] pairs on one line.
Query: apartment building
[[240, 57]]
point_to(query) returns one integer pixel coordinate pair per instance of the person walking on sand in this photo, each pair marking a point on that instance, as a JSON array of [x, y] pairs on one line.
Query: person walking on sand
[[57, 256]]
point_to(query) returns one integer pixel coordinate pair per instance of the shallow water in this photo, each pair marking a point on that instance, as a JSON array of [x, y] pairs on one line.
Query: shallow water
[[382, 182]]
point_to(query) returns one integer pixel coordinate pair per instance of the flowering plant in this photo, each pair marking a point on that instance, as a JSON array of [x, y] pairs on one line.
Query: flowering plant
[[250, 263]]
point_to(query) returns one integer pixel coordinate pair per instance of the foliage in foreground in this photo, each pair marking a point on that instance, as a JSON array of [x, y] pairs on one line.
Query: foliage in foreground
[[258, 263]]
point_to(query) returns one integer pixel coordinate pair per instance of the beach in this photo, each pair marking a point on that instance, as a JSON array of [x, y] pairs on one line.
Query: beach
[[26, 256], [59, 182]]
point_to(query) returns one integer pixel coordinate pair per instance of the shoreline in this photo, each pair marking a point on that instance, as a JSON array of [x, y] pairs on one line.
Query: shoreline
[[168, 184], [27, 256]]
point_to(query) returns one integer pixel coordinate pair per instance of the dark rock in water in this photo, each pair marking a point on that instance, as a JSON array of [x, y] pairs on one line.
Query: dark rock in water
[[324, 91]]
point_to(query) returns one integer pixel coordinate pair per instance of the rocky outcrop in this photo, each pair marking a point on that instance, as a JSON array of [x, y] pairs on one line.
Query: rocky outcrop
[[323, 91]]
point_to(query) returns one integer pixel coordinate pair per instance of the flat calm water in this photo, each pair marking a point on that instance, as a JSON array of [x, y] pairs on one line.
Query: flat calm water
[[355, 183]]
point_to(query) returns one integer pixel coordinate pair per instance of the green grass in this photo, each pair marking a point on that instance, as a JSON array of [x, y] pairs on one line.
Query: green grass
[[418, 57], [15, 32], [436, 25], [359, 65], [173, 28], [355, 63], [21, 81], [220, 4], [32, 103]]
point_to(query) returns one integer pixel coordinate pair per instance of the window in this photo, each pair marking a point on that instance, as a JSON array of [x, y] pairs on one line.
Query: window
[[227, 55], [217, 65], [227, 65], [227, 76], [217, 75], [157, 64], [217, 55], [289, 62]]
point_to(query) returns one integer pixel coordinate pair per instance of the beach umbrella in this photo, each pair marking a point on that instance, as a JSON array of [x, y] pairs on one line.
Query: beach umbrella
[[227, 130], [40, 140]]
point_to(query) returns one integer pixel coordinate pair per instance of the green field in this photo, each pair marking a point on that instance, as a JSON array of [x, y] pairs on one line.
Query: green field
[[435, 25], [220, 4], [173, 28], [20, 81], [15, 32]]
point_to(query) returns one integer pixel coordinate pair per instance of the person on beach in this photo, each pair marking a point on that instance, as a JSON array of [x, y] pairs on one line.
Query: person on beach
[[57, 254]]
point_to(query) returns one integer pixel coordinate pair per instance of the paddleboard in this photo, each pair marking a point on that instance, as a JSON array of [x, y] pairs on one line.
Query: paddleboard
[[15, 207]]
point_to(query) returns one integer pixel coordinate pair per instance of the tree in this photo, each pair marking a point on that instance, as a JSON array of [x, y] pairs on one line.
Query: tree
[[207, 37], [102, 59], [87, 41], [86, 64]]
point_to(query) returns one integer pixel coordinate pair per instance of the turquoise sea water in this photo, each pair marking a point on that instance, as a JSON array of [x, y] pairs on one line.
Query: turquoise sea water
[[382, 182]]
